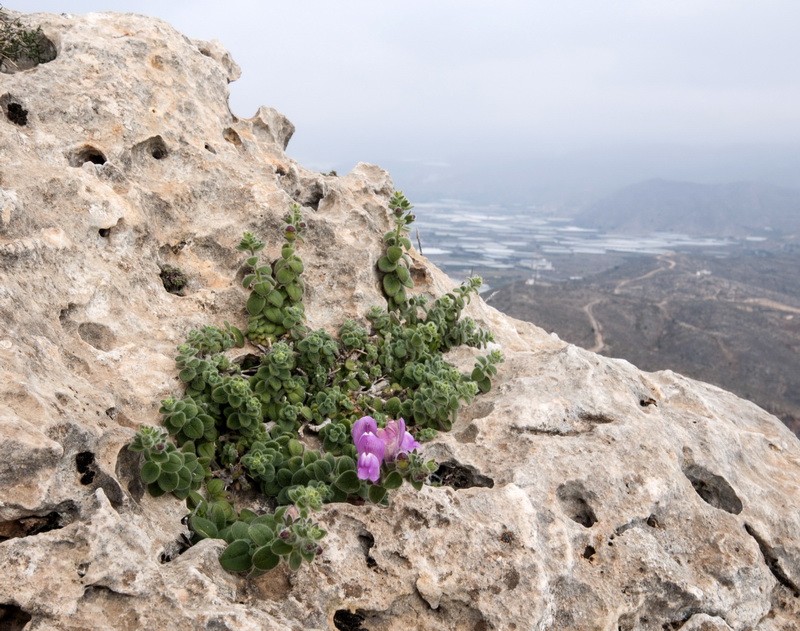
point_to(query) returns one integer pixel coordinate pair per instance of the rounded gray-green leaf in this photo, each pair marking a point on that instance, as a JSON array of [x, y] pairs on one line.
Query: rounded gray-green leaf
[[260, 534], [265, 559], [295, 561], [173, 464], [203, 527], [150, 472], [255, 303], [391, 284], [279, 546], [385, 265], [348, 482], [376, 494], [393, 480], [168, 482], [394, 253], [236, 557]]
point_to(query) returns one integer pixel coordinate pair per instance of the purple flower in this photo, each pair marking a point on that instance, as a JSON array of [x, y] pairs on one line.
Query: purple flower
[[376, 446], [364, 425], [370, 448], [397, 439], [370, 456]]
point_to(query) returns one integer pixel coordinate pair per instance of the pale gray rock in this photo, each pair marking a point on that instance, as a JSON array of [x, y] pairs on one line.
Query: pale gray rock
[[580, 493]]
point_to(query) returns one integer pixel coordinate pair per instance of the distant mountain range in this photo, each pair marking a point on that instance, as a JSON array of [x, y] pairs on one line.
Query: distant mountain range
[[721, 210]]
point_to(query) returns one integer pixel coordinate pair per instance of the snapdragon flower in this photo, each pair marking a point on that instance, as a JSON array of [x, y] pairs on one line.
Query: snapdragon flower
[[397, 440], [370, 448], [376, 446]]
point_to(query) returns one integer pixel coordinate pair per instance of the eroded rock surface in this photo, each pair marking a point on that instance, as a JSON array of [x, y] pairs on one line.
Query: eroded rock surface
[[580, 493]]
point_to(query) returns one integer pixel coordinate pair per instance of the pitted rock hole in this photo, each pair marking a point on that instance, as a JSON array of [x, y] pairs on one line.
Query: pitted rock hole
[[17, 114], [459, 476], [589, 552], [714, 489], [127, 472], [232, 137], [573, 498], [12, 617], [346, 620], [154, 147], [209, 148], [312, 196], [97, 335], [37, 524], [84, 463], [175, 548], [84, 154], [367, 541]]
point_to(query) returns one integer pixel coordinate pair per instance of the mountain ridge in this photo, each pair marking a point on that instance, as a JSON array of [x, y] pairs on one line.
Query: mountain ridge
[[736, 209]]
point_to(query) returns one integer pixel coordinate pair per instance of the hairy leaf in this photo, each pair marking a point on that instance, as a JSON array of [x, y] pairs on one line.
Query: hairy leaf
[[265, 559], [203, 527], [236, 557]]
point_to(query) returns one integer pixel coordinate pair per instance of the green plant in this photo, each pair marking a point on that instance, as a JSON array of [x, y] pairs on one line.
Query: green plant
[[173, 279], [248, 427], [17, 42]]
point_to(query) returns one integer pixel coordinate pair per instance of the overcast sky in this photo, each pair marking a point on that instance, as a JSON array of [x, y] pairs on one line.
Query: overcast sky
[[429, 80]]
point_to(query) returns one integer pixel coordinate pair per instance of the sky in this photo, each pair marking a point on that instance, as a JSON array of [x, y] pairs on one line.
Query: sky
[[566, 94]]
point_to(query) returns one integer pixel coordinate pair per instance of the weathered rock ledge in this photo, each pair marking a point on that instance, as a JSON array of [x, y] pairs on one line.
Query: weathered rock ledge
[[590, 495]]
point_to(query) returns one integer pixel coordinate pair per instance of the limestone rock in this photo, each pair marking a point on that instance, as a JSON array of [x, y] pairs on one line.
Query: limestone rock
[[580, 493]]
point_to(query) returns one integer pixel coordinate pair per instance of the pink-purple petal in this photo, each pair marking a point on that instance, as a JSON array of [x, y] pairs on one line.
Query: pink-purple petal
[[369, 467], [366, 424]]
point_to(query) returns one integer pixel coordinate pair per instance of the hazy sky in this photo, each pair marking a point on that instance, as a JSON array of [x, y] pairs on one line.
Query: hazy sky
[[430, 80]]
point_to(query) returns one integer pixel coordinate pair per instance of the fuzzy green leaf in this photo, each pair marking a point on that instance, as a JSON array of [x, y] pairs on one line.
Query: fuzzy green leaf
[[404, 274], [150, 472], [376, 494], [215, 487], [194, 428], [255, 303], [285, 276], [393, 480], [294, 291], [391, 284], [348, 482], [203, 527], [238, 336], [393, 253], [236, 557], [279, 546], [240, 530], [263, 288], [260, 534], [295, 561], [217, 514], [275, 298], [184, 480], [173, 464], [265, 559], [385, 265], [168, 482]]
